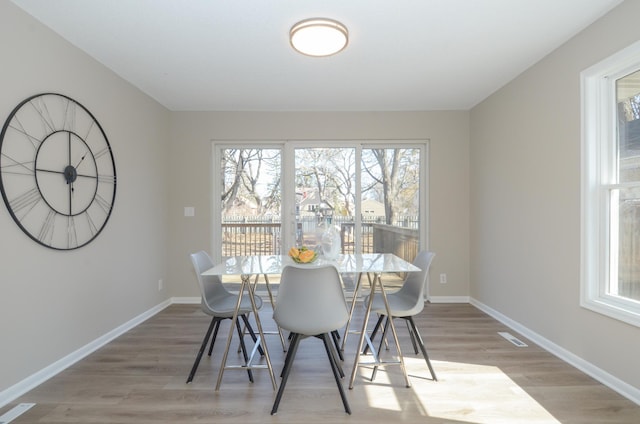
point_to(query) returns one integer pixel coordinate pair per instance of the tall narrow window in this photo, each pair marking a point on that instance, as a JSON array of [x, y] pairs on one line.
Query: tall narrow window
[[611, 186], [625, 193], [325, 184], [391, 200], [250, 201]]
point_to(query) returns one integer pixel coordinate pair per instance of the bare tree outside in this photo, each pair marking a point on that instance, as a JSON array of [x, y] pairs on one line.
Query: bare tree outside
[[393, 178], [251, 181], [330, 173], [325, 182]]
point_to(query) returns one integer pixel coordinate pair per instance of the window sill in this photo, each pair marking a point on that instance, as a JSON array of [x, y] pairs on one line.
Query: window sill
[[620, 309]]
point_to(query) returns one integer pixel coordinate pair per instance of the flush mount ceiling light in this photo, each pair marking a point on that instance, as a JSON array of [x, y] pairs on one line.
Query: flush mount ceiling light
[[319, 37]]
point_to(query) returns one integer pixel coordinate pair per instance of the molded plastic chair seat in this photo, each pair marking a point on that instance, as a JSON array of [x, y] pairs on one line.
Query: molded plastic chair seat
[[405, 303], [220, 304]]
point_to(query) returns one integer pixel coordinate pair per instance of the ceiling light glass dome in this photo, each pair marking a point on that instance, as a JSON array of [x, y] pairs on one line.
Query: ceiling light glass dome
[[319, 37]]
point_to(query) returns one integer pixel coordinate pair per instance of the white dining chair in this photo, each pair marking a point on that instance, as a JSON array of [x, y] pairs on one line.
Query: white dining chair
[[219, 303], [405, 303], [310, 303]]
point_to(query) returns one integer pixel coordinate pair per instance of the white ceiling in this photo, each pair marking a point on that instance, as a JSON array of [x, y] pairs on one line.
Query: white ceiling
[[235, 54]]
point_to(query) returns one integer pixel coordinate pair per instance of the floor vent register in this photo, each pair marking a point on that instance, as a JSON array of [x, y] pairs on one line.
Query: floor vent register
[[513, 339]]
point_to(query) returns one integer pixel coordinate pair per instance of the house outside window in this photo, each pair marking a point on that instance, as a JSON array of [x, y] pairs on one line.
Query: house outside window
[[610, 282]]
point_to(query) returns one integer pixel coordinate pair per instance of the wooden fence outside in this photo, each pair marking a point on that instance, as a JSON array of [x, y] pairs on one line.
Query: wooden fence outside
[[263, 238]]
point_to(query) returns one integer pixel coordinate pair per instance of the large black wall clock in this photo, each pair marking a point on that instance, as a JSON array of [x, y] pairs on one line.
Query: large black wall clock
[[57, 173]]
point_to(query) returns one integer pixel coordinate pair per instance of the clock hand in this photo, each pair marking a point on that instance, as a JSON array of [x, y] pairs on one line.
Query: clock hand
[[70, 198], [81, 159]]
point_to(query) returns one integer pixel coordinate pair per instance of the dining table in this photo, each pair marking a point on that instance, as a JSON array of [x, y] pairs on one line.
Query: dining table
[[371, 264]]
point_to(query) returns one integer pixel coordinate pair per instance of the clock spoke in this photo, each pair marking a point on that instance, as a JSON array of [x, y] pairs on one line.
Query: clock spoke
[[69, 119], [50, 171], [104, 204], [101, 152], [25, 202], [93, 228], [89, 130], [72, 232], [48, 225], [69, 147], [41, 108], [108, 179], [33, 140], [16, 167], [87, 176]]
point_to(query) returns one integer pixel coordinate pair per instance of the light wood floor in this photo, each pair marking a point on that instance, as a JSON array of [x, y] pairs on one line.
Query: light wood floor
[[140, 378]]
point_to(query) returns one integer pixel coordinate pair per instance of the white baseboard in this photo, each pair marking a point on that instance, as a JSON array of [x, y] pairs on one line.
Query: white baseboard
[[186, 300], [614, 383], [49, 371], [449, 299]]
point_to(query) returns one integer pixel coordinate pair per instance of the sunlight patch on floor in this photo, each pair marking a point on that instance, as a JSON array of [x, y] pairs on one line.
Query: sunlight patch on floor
[[464, 392], [382, 394]]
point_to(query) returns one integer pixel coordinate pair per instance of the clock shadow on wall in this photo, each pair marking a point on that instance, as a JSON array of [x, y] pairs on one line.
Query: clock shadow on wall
[[57, 172]]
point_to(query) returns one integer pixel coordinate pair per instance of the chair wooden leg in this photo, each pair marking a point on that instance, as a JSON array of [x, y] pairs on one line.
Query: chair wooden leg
[[243, 347], [293, 348], [203, 346], [336, 373], [421, 344]]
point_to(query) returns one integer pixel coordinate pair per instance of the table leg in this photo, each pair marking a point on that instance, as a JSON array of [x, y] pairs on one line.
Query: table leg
[[361, 339], [377, 280], [356, 290], [261, 337], [273, 305], [246, 284], [393, 330]]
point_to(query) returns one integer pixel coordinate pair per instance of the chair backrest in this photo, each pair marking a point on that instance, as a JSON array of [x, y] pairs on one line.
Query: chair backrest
[[310, 300], [211, 286], [416, 282]]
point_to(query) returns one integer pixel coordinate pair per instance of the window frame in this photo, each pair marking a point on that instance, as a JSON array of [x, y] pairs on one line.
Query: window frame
[[287, 148], [598, 167]]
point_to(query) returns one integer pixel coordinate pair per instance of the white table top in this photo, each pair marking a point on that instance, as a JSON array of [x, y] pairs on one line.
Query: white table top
[[273, 264]]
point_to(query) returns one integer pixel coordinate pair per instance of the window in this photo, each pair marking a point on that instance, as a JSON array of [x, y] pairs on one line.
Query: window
[[276, 194], [610, 282], [387, 182]]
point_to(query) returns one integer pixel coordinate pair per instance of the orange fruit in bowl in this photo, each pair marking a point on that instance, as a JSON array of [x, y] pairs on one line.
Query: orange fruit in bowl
[[306, 256]]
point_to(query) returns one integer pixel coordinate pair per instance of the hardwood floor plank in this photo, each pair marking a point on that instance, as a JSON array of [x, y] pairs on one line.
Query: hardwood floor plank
[[140, 377]]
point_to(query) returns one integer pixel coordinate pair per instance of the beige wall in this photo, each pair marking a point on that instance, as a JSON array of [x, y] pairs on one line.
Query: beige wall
[[448, 133], [525, 201], [53, 302], [504, 184]]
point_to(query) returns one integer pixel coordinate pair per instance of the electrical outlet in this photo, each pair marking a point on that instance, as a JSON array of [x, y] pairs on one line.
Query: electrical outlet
[[160, 284], [443, 278]]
